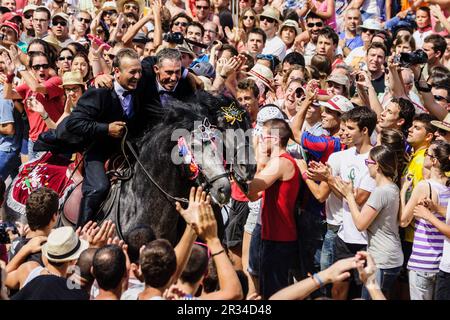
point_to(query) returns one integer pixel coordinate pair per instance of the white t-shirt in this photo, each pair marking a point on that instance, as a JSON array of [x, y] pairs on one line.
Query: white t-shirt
[[370, 6], [333, 205], [353, 168], [445, 260], [310, 51], [276, 47], [356, 56], [419, 37]]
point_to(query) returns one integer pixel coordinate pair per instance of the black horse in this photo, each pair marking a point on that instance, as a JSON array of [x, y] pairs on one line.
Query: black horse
[[142, 202]]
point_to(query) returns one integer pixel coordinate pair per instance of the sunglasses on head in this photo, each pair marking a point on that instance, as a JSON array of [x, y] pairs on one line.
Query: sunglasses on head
[[37, 67], [59, 22], [68, 58], [317, 24], [269, 20]]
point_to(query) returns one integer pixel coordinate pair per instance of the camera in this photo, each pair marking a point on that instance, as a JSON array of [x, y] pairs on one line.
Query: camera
[[4, 236], [174, 37], [299, 92], [406, 59]]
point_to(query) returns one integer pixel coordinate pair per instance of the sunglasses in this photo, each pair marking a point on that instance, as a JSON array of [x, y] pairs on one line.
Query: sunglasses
[[317, 24], [427, 153], [109, 55], [109, 12], [131, 6], [183, 24], [59, 22], [202, 7], [83, 20], [124, 26], [74, 89], [369, 161], [37, 67], [99, 31], [68, 58], [439, 98], [369, 31], [248, 17], [28, 16], [269, 20]]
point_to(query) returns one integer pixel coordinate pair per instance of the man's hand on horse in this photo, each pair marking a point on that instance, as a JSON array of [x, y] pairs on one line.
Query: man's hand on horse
[[95, 235], [115, 129], [104, 81], [196, 197]]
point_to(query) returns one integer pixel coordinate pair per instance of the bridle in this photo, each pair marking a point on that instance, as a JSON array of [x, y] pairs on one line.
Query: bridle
[[207, 135]]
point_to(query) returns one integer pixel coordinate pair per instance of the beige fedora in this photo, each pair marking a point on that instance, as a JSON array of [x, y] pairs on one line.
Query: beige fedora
[[444, 124], [73, 78], [263, 74], [63, 245], [121, 4]]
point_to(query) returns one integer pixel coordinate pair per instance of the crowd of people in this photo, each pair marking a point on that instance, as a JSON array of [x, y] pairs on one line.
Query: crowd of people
[[350, 106]]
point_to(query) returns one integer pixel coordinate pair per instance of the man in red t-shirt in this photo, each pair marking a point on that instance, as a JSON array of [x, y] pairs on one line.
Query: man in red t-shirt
[[279, 183], [40, 85]]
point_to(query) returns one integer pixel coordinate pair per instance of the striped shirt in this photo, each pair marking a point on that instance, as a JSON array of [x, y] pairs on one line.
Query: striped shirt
[[428, 241]]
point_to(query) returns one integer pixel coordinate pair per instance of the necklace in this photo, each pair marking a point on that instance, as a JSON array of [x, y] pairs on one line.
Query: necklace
[[51, 273]]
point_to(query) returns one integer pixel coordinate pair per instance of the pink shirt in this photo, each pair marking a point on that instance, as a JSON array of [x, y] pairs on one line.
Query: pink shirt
[[322, 7]]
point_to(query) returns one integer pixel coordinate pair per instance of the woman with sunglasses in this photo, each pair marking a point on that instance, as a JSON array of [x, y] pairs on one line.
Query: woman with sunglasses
[[73, 86], [423, 264], [38, 84], [118, 28], [64, 61], [379, 216], [180, 22]]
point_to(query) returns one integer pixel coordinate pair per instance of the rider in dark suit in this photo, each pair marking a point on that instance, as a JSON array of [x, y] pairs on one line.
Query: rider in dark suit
[[100, 118]]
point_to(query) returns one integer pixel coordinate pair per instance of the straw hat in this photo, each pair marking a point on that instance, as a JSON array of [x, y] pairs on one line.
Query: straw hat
[[72, 78], [271, 12], [444, 124], [30, 7], [290, 24], [109, 5], [63, 245], [263, 74], [53, 41], [370, 24], [121, 3]]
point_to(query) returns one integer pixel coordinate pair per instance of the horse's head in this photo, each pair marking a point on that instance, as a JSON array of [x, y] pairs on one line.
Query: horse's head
[[235, 123], [201, 151]]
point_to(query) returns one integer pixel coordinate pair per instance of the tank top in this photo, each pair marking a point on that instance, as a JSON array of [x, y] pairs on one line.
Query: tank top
[[428, 241], [278, 205], [36, 272]]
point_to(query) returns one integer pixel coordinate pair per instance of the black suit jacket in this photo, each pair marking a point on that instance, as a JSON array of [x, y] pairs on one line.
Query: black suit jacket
[[147, 92], [88, 124]]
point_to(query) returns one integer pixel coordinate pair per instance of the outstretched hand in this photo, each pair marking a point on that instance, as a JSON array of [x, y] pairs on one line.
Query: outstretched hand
[[192, 212], [206, 228]]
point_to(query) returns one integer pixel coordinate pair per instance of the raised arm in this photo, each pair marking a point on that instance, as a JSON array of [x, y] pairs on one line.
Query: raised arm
[[302, 108]]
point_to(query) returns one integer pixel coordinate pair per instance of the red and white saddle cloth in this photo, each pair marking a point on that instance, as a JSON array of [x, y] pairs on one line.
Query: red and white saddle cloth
[[51, 171]]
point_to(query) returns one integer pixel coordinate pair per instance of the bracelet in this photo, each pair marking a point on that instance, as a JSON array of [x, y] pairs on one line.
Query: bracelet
[[225, 78], [44, 118], [305, 176], [316, 278], [217, 253]]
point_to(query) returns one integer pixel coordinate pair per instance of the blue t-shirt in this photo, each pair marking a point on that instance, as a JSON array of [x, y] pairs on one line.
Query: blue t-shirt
[[8, 114], [352, 43]]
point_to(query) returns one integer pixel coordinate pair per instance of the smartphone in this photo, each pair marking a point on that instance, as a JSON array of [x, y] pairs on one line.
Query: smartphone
[[99, 42]]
